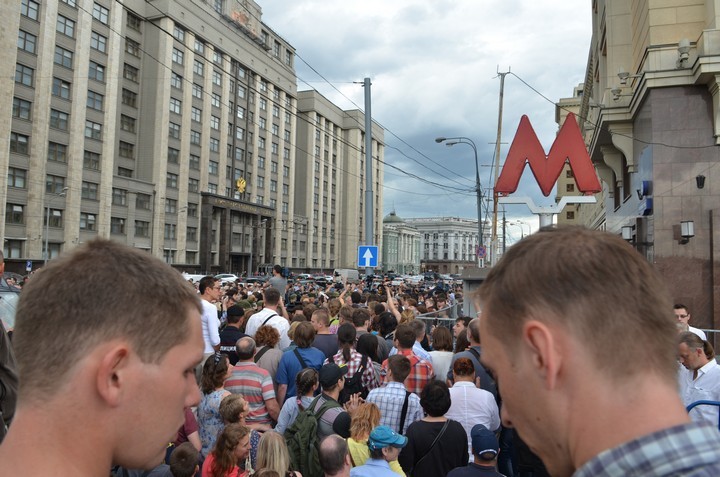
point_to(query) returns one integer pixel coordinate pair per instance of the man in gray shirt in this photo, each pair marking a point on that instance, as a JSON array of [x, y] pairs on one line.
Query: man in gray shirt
[[277, 281]]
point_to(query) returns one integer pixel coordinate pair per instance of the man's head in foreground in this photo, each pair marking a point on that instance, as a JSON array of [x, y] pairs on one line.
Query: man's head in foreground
[[571, 320], [107, 334]]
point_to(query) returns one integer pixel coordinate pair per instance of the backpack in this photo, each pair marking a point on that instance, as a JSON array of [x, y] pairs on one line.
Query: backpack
[[302, 439], [354, 385]]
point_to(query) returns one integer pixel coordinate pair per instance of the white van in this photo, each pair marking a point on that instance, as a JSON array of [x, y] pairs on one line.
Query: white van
[[346, 274]]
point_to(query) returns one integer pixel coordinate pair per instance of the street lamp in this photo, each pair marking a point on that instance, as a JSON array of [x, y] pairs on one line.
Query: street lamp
[[47, 222], [478, 190]]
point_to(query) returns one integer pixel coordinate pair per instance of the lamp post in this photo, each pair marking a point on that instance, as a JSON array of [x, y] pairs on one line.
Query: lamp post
[[47, 223], [478, 190]]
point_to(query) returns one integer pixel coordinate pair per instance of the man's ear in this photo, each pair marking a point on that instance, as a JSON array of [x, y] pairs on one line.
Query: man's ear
[[111, 373], [542, 345]]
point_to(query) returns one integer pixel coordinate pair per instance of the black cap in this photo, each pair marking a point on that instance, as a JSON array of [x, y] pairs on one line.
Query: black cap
[[331, 373]]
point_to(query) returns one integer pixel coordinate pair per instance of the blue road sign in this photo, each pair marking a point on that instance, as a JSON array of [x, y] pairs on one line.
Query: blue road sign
[[28, 266], [368, 256], [481, 251]]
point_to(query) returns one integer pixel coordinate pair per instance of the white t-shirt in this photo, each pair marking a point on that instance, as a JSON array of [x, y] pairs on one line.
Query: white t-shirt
[[277, 322], [706, 387], [210, 326]]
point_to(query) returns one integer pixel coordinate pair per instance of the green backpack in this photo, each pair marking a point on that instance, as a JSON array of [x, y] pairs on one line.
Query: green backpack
[[302, 439]]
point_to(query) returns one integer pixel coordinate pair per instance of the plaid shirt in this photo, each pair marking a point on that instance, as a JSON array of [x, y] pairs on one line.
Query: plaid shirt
[[688, 450], [389, 399], [421, 372], [369, 380]]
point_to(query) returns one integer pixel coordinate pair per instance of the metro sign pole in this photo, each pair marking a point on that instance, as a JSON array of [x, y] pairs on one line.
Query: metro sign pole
[[568, 147]]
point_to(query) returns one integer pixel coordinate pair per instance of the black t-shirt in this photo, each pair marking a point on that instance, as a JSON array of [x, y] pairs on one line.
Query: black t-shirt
[[228, 337], [328, 344], [475, 470], [449, 452]]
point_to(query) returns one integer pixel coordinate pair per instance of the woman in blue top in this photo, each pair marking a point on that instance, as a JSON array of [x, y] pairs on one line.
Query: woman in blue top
[[215, 371], [304, 356]]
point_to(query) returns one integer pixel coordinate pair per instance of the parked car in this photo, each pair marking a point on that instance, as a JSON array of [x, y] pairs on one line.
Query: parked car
[[9, 297], [227, 278]]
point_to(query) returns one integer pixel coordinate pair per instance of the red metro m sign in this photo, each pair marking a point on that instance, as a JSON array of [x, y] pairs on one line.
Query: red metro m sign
[[568, 146]]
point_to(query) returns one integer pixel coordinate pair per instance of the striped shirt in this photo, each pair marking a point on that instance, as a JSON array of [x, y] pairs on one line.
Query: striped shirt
[[369, 379], [256, 386]]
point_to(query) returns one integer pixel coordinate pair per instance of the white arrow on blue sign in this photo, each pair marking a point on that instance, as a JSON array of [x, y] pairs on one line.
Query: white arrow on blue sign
[[368, 256]]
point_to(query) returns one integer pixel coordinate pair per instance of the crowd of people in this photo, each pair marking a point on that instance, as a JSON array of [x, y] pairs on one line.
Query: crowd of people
[[124, 367]]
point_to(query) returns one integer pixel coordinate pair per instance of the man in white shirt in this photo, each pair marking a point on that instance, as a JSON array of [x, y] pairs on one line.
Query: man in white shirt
[[701, 379], [683, 316], [209, 289], [270, 315]]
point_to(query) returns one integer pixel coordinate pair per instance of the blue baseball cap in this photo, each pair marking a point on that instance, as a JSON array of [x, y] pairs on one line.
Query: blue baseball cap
[[483, 440], [383, 436]]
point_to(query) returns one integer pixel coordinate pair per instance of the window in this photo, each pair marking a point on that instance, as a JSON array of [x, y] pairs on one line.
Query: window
[[239, 133], [173, 156], [16, 177], [29, 8], [19, 143], [198, 68], [170, 231], [261, 182], [273, 186], [195, 114], [197, 91], [215, 100], [262, 124], [194, 162], [59, 120], [213, 168], [263, 104], [570, 215], [100, 13], [176, 80], [142, 228], [117, 225], [172, 180], [199, 47], [261, 142], [87, 221], [13, 248], [286, 189], [215, 123], [170, 206], [119, 196], [130, 73], [241, 91], [65, 26], [217, 78], [285, 207], [22, 109], [569, 187], [174, 130], [263, 86], [214, 145], [96, 72], [273, 166], [142, 201], [24, 75], [179, 34], [129, 98], [14, 214], [192, 209], [124, 172], [133, 21], [217, 57], [288, 58], [93, 130], [127, 123], [261, 162], [178, 56], [54, 218], [195, 137], [91, 160], [175, 106], [191, 234], [63, 57], [212, 188], [127, 150], [57, 152], [259, 200], [193, 185], [61, 88], [132, 47], [95, 100], [276, 49], [274, 148], [286, 171], [27, 42], [54, 184]]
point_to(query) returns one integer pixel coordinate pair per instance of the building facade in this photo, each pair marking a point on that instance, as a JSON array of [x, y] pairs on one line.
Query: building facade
[[330, 178], [401, 246], [651, 114], [448, 244], [168, 125]]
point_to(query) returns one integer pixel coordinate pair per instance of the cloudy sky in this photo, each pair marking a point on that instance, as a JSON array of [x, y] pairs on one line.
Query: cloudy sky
[[433, 66]]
